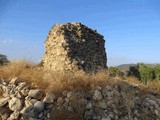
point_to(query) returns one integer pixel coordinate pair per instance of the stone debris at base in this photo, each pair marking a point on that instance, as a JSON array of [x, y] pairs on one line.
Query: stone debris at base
[[100, 103]]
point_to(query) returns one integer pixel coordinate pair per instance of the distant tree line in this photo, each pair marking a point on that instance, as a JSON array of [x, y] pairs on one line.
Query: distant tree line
[[144, 72]]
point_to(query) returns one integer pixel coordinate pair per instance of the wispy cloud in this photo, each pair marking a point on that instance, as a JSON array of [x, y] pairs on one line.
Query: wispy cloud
[[9, 41]]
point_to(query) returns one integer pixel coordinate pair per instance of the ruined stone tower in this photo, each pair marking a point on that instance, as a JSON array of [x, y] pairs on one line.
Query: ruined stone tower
[[73, 47]]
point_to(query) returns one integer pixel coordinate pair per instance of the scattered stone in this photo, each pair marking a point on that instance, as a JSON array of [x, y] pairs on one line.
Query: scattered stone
[[15, 81], [50, 97], [98, 103], [22, 85], [60, 100], [48, 115], [30, 112], [97, 95], [25, 91], [15, 104], [40, 115], [89, 106], [70, 94], [5, 116], [39, 105], [103, 104], [14, 116], [4, 101], [106, 118], [37, 94], [70, 108]]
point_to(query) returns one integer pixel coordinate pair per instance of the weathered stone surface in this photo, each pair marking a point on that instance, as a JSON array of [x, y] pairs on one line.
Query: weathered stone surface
[[3, 101], [21, 86], [103, 104], [30, 112], [39, 105], [14, 81], [37, 94], [4, 116], [106, 118], [15, 104], [89, 105], [50, 97], [73, 47], [25, 91], [14, 116], [97, 95]]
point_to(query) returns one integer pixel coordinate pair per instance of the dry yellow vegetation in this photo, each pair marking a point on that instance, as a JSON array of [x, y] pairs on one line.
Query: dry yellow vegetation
[[57, 82], [36, 76]]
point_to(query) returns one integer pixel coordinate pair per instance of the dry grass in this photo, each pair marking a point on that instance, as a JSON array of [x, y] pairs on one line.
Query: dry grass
[[24, 70], [79, 82], [48, 80], [57, 82], [154, 85]]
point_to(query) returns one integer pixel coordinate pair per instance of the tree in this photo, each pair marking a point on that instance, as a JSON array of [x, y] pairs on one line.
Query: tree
[[146, 73], [157, 72], [3, 59], [134, 71]]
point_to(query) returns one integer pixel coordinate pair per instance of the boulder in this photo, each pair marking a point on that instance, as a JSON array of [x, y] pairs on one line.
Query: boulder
[[39, 105], [37, 94], [50, 97], [30, 112], [15, 104]]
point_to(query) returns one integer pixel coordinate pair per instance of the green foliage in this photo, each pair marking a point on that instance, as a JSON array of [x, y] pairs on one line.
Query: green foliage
[[114, 71], [146, 73], [134, 71], [3, 59], [157, 72]]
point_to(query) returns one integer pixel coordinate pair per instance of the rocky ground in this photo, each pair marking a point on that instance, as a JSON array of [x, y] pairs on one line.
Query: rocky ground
[[123, 101]]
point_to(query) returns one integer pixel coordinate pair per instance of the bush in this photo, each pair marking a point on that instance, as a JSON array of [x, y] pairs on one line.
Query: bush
[[134, 71], [146, 73], [3, 59], [114, 71], [157, 72]]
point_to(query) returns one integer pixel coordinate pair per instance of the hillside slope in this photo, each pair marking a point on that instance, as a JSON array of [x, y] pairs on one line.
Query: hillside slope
[[29, 93]]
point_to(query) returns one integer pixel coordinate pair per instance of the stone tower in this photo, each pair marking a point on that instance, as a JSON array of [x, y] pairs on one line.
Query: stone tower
[[73, 47]]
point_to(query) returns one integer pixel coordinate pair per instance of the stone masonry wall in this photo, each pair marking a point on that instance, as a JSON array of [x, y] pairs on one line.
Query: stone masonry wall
[[73, 47]]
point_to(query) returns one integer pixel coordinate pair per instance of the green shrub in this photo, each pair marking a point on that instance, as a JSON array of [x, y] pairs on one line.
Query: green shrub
[[157, 72], [146, 73], [114, 71], [3, 59]]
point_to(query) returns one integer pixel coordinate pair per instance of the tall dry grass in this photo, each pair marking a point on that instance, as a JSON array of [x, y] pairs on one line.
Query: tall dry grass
[[57, 82], [79, 82], [48, 80], [26, 70]]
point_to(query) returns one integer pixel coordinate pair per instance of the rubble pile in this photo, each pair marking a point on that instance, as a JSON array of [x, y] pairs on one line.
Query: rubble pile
[[19, 101]]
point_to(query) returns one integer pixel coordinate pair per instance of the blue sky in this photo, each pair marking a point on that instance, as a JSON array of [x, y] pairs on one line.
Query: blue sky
[[131, 28]]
